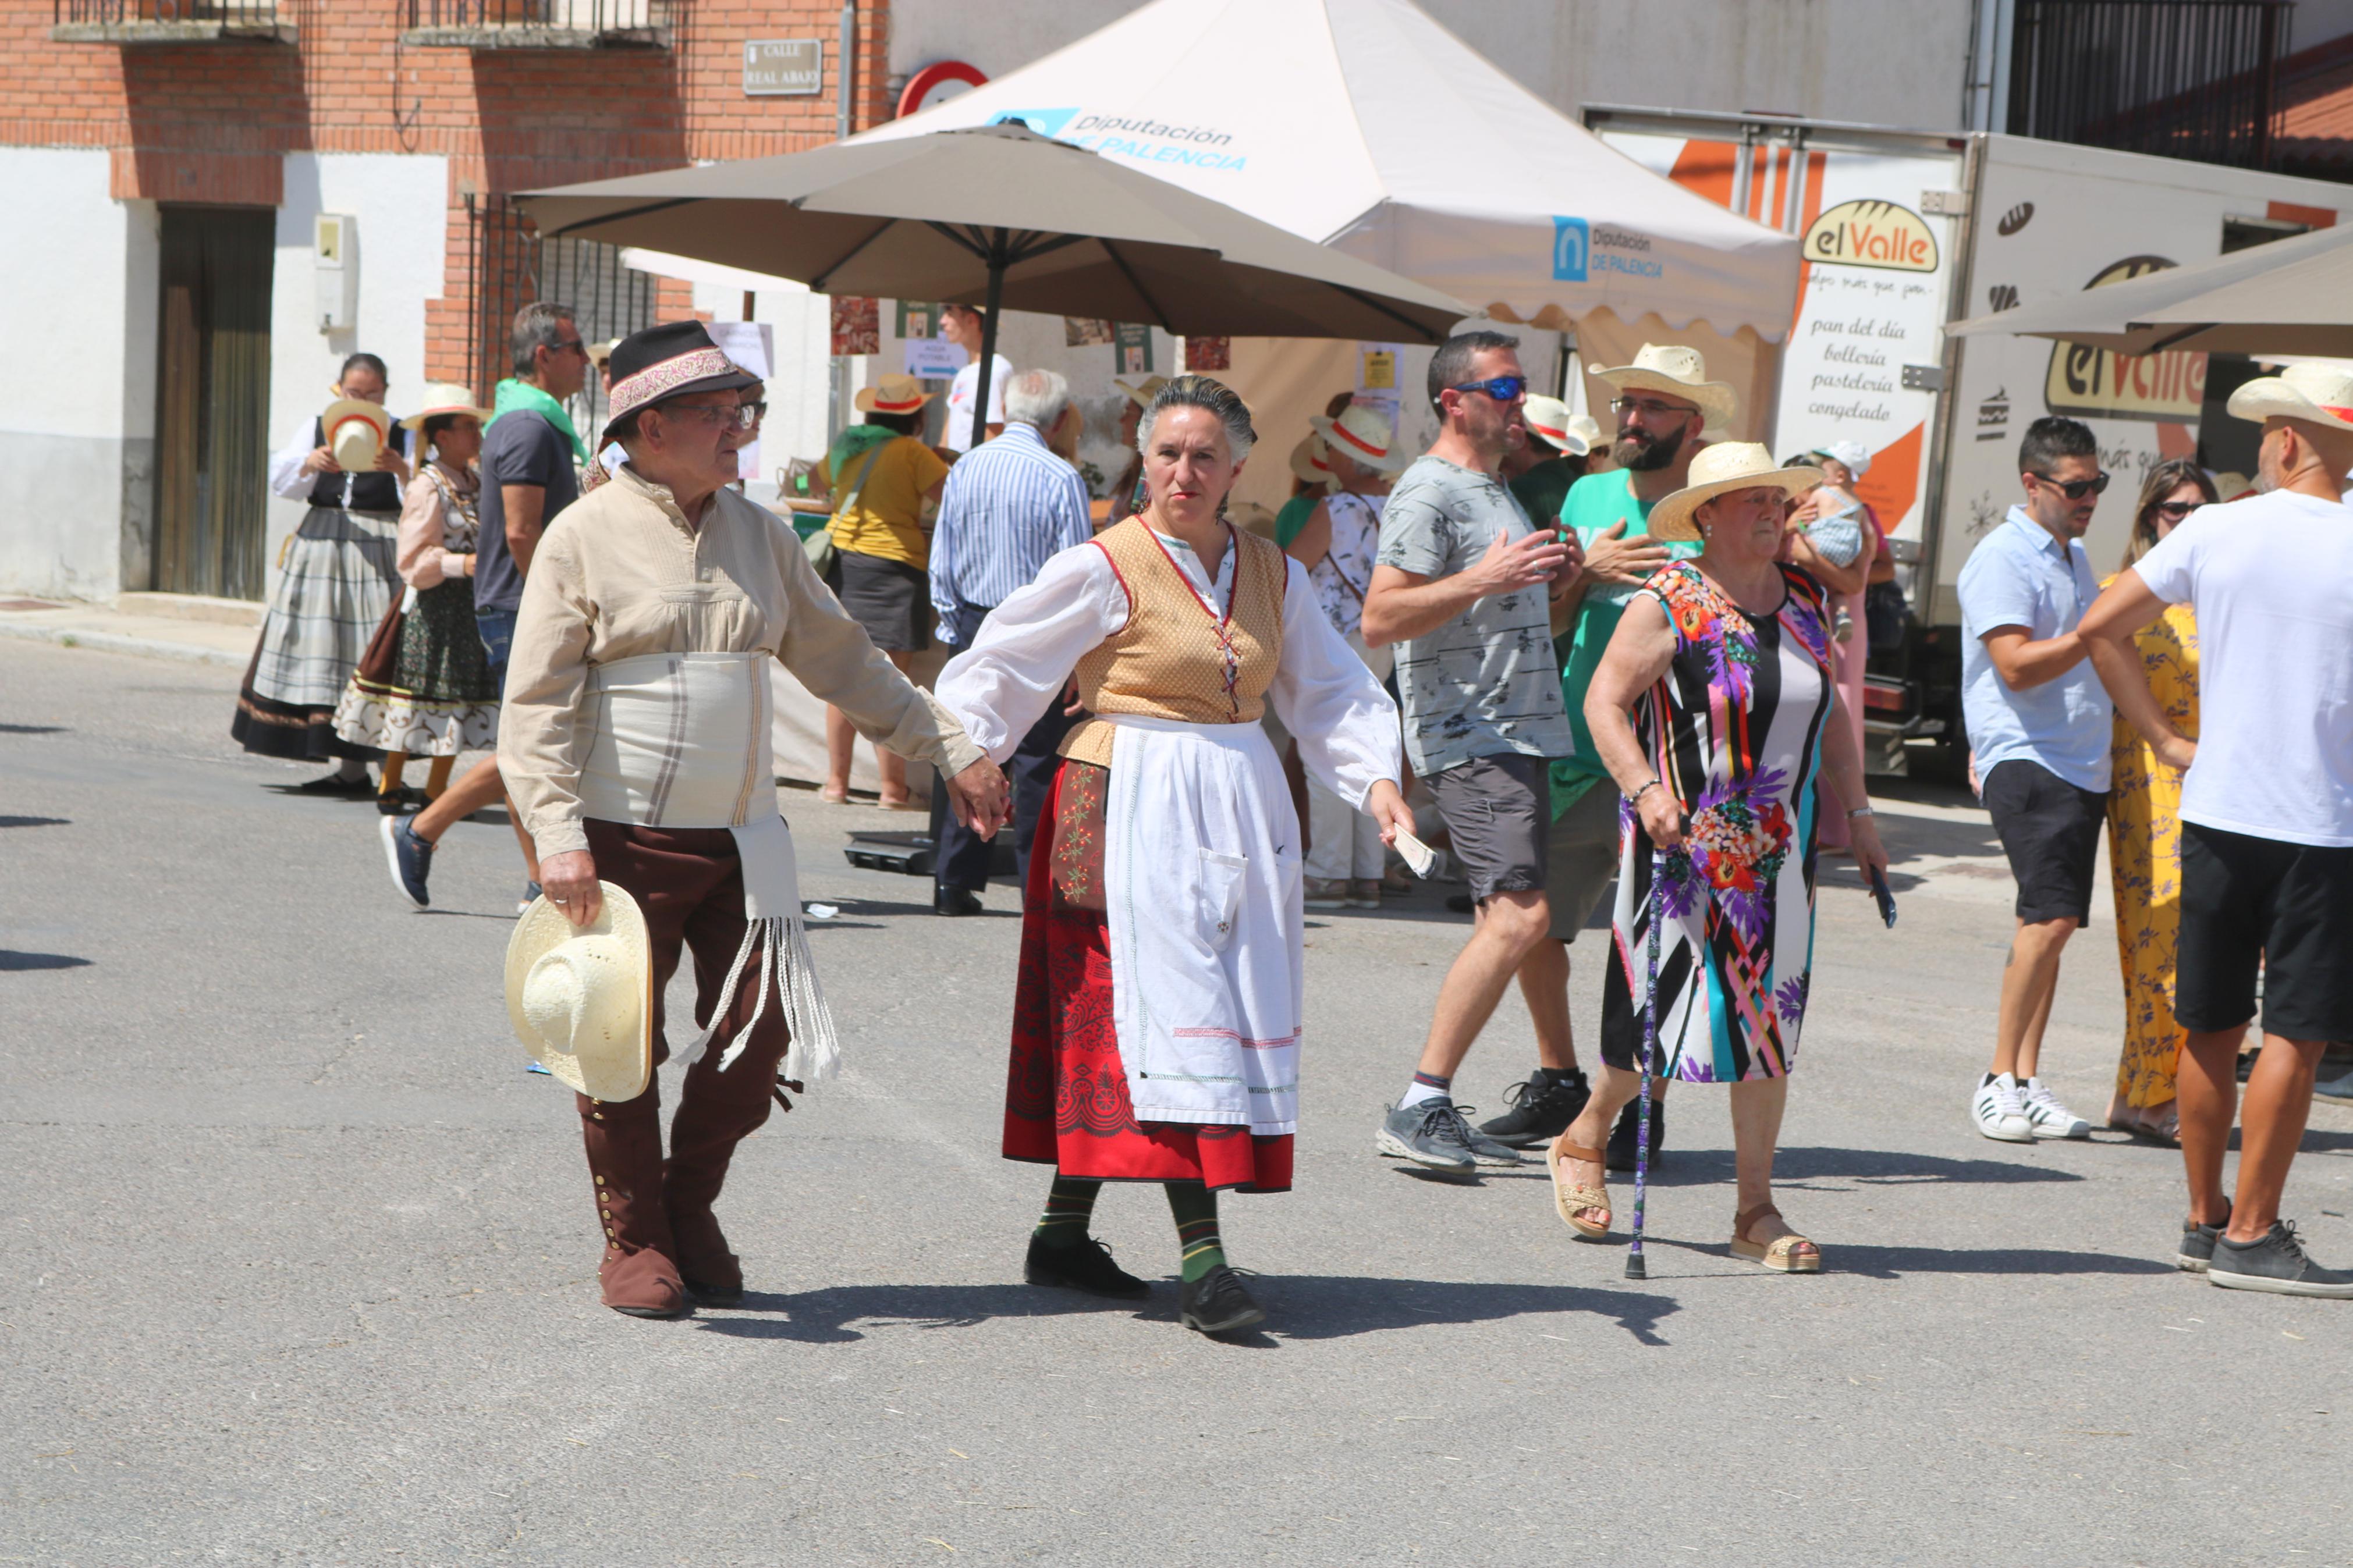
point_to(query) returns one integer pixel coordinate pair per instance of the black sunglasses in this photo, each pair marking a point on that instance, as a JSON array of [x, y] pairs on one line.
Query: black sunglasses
[[2076, 488], [1502, 388], [2178, 510]]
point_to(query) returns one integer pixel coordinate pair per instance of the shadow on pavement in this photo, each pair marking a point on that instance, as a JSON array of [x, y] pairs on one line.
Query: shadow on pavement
[[1299, 1306], [22, 960], [1896, 1262], [32, 729], [1875, 1167], [35, 822]]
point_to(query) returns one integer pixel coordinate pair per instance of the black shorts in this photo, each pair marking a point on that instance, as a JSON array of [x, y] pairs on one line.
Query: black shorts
[[2050, 831], [890, 598], [2289, 906], [1498, 812]]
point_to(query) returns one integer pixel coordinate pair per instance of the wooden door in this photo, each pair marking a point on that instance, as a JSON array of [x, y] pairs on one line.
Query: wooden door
[[212, 400]]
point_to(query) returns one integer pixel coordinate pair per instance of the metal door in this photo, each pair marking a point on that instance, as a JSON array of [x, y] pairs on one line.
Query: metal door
[[212, 400]]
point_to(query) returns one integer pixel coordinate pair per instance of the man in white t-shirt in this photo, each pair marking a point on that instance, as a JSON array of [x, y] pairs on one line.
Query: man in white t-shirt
[[964, 326], [2266, 810]]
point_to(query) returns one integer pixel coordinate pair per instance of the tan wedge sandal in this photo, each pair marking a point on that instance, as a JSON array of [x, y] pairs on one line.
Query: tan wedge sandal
[[1780, 1254], [1572, 1199]]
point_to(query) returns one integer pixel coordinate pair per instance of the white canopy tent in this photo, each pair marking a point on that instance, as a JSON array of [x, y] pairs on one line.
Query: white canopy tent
[[1367, 125]]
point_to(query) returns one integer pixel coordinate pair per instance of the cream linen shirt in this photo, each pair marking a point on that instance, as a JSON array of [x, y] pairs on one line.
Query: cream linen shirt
[[620, 573]]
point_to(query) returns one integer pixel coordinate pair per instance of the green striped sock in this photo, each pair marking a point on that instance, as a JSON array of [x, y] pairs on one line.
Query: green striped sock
[[1070, 1206], [1196, 1208]]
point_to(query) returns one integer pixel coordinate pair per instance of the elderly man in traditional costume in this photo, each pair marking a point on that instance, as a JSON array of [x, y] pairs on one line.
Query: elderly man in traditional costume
[[1156, 1022], [634, 743]]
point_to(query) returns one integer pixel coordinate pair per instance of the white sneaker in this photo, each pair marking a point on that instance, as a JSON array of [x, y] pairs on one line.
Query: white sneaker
[[2049, 1117], [1999, 1111]]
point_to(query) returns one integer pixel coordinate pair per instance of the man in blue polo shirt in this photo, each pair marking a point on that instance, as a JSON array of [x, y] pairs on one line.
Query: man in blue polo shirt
[[2039, 725]]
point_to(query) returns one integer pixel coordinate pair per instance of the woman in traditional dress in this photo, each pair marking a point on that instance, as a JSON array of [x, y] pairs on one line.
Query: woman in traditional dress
[[441, 700], [2145, 828], [1156, 1023], [338, 577], [1725, 661], [1342, 535]]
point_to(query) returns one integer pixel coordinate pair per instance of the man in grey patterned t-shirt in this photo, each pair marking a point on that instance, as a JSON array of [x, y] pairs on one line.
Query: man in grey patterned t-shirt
[[1470, 589]]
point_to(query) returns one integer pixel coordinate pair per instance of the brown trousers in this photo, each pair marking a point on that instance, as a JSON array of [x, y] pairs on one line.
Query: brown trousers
[[659, 1232]]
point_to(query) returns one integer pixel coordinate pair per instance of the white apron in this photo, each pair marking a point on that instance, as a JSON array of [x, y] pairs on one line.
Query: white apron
[[680, 740], [1201, 877]]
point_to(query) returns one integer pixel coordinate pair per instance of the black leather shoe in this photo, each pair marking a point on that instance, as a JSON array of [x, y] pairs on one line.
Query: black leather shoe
[[703, 1295], [1216, 1303], [1621, 1137], [1084, 1266], [956, 901]]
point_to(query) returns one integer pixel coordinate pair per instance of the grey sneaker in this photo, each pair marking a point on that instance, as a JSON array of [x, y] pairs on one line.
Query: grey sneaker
[[2197, 1249], [1487, 1150], [2278, 1264], [1431, 1133]]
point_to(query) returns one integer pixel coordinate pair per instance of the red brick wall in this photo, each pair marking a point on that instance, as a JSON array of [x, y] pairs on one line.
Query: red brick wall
[[211, 123]]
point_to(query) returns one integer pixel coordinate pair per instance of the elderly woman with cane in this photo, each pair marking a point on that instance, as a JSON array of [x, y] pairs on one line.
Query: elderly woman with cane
[[1724, 664]]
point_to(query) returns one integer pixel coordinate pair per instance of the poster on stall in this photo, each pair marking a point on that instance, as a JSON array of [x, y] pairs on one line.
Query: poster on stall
[[857, 324], [1209, 353], [1130, 349], [753, 345], [1085, 332], [934, 359], [1377, 368], [918, 318]]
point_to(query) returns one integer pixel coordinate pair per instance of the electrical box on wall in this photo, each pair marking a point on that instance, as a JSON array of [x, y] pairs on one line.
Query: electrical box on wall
[[337, 254]]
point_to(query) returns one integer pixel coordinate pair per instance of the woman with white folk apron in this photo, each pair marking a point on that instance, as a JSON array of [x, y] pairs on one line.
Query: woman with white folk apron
[[1157, 1015]]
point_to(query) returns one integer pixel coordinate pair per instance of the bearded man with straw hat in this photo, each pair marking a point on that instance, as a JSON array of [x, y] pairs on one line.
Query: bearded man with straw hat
[[634, 743]]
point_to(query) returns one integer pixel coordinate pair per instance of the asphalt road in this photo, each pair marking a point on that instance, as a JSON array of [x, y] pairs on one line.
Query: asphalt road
[[300, 1261]]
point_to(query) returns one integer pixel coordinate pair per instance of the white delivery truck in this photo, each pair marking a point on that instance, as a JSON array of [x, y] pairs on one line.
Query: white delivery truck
[[1904, 231]]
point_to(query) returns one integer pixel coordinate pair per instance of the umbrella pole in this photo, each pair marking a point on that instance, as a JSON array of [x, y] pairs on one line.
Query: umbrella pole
[[988, 340]]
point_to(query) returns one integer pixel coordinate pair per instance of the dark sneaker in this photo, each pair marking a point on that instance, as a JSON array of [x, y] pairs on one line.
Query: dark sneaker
[[335, 786], [1541, 1108], [409, 858], [1216, 1303], [2198, 1244], [1083, 1265], [2278, 1264], [2337, 1090], [1483, 1149], [1621, 1137], [1431, 1133]]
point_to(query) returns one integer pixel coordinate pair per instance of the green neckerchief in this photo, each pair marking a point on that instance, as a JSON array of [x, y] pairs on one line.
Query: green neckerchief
[[514, 396], [848, 445]]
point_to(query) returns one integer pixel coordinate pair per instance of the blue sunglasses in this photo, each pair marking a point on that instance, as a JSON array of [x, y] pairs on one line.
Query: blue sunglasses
[[1502, 388]]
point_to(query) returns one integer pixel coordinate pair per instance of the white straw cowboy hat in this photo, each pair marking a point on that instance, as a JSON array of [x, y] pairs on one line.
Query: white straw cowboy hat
[[1364, 437], [446, 397], [2315, 393], [355, 432], [1549, 420], [1140, 389], [581, 997], [1720, 469], [1678, 372], [891, 394], [1307, 462]]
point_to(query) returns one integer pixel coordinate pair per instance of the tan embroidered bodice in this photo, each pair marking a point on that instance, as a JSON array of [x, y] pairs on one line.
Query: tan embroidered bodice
[[1173, 659]]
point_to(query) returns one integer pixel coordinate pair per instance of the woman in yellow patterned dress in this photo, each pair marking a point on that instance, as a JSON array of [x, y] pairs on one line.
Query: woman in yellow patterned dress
[[2145, 830]]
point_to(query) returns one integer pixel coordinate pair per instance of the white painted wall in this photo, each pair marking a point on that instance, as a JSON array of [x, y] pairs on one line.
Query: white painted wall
[[76, 418], [401, 203], [1885, 62]]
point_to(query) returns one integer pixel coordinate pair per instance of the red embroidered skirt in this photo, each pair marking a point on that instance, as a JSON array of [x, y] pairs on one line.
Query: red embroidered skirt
[[1066, 1101]]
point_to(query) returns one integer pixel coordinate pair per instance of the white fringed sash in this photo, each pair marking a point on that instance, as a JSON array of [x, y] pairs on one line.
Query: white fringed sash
[[680, 740]]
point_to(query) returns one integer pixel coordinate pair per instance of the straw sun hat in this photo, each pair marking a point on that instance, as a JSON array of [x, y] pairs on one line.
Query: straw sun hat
[[355, 432], [1720, 469], [581, 997], [1307, 462], [891, 394], [1549, 420], [2316, 394], [446, 397], [1364, 437], [1140, 389], [1678, 372]]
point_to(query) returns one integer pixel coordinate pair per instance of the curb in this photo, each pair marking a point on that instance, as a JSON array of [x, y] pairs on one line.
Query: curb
[[116, 642]]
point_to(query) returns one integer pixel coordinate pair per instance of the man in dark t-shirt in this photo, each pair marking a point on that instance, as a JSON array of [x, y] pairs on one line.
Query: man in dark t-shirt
[[530, 472]]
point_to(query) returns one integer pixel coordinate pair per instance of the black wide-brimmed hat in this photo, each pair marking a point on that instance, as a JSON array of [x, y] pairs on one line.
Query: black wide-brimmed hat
[[668, 361]]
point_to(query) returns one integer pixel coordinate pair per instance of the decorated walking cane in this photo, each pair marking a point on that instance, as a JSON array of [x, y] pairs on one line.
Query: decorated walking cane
[[1636, 1269]]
